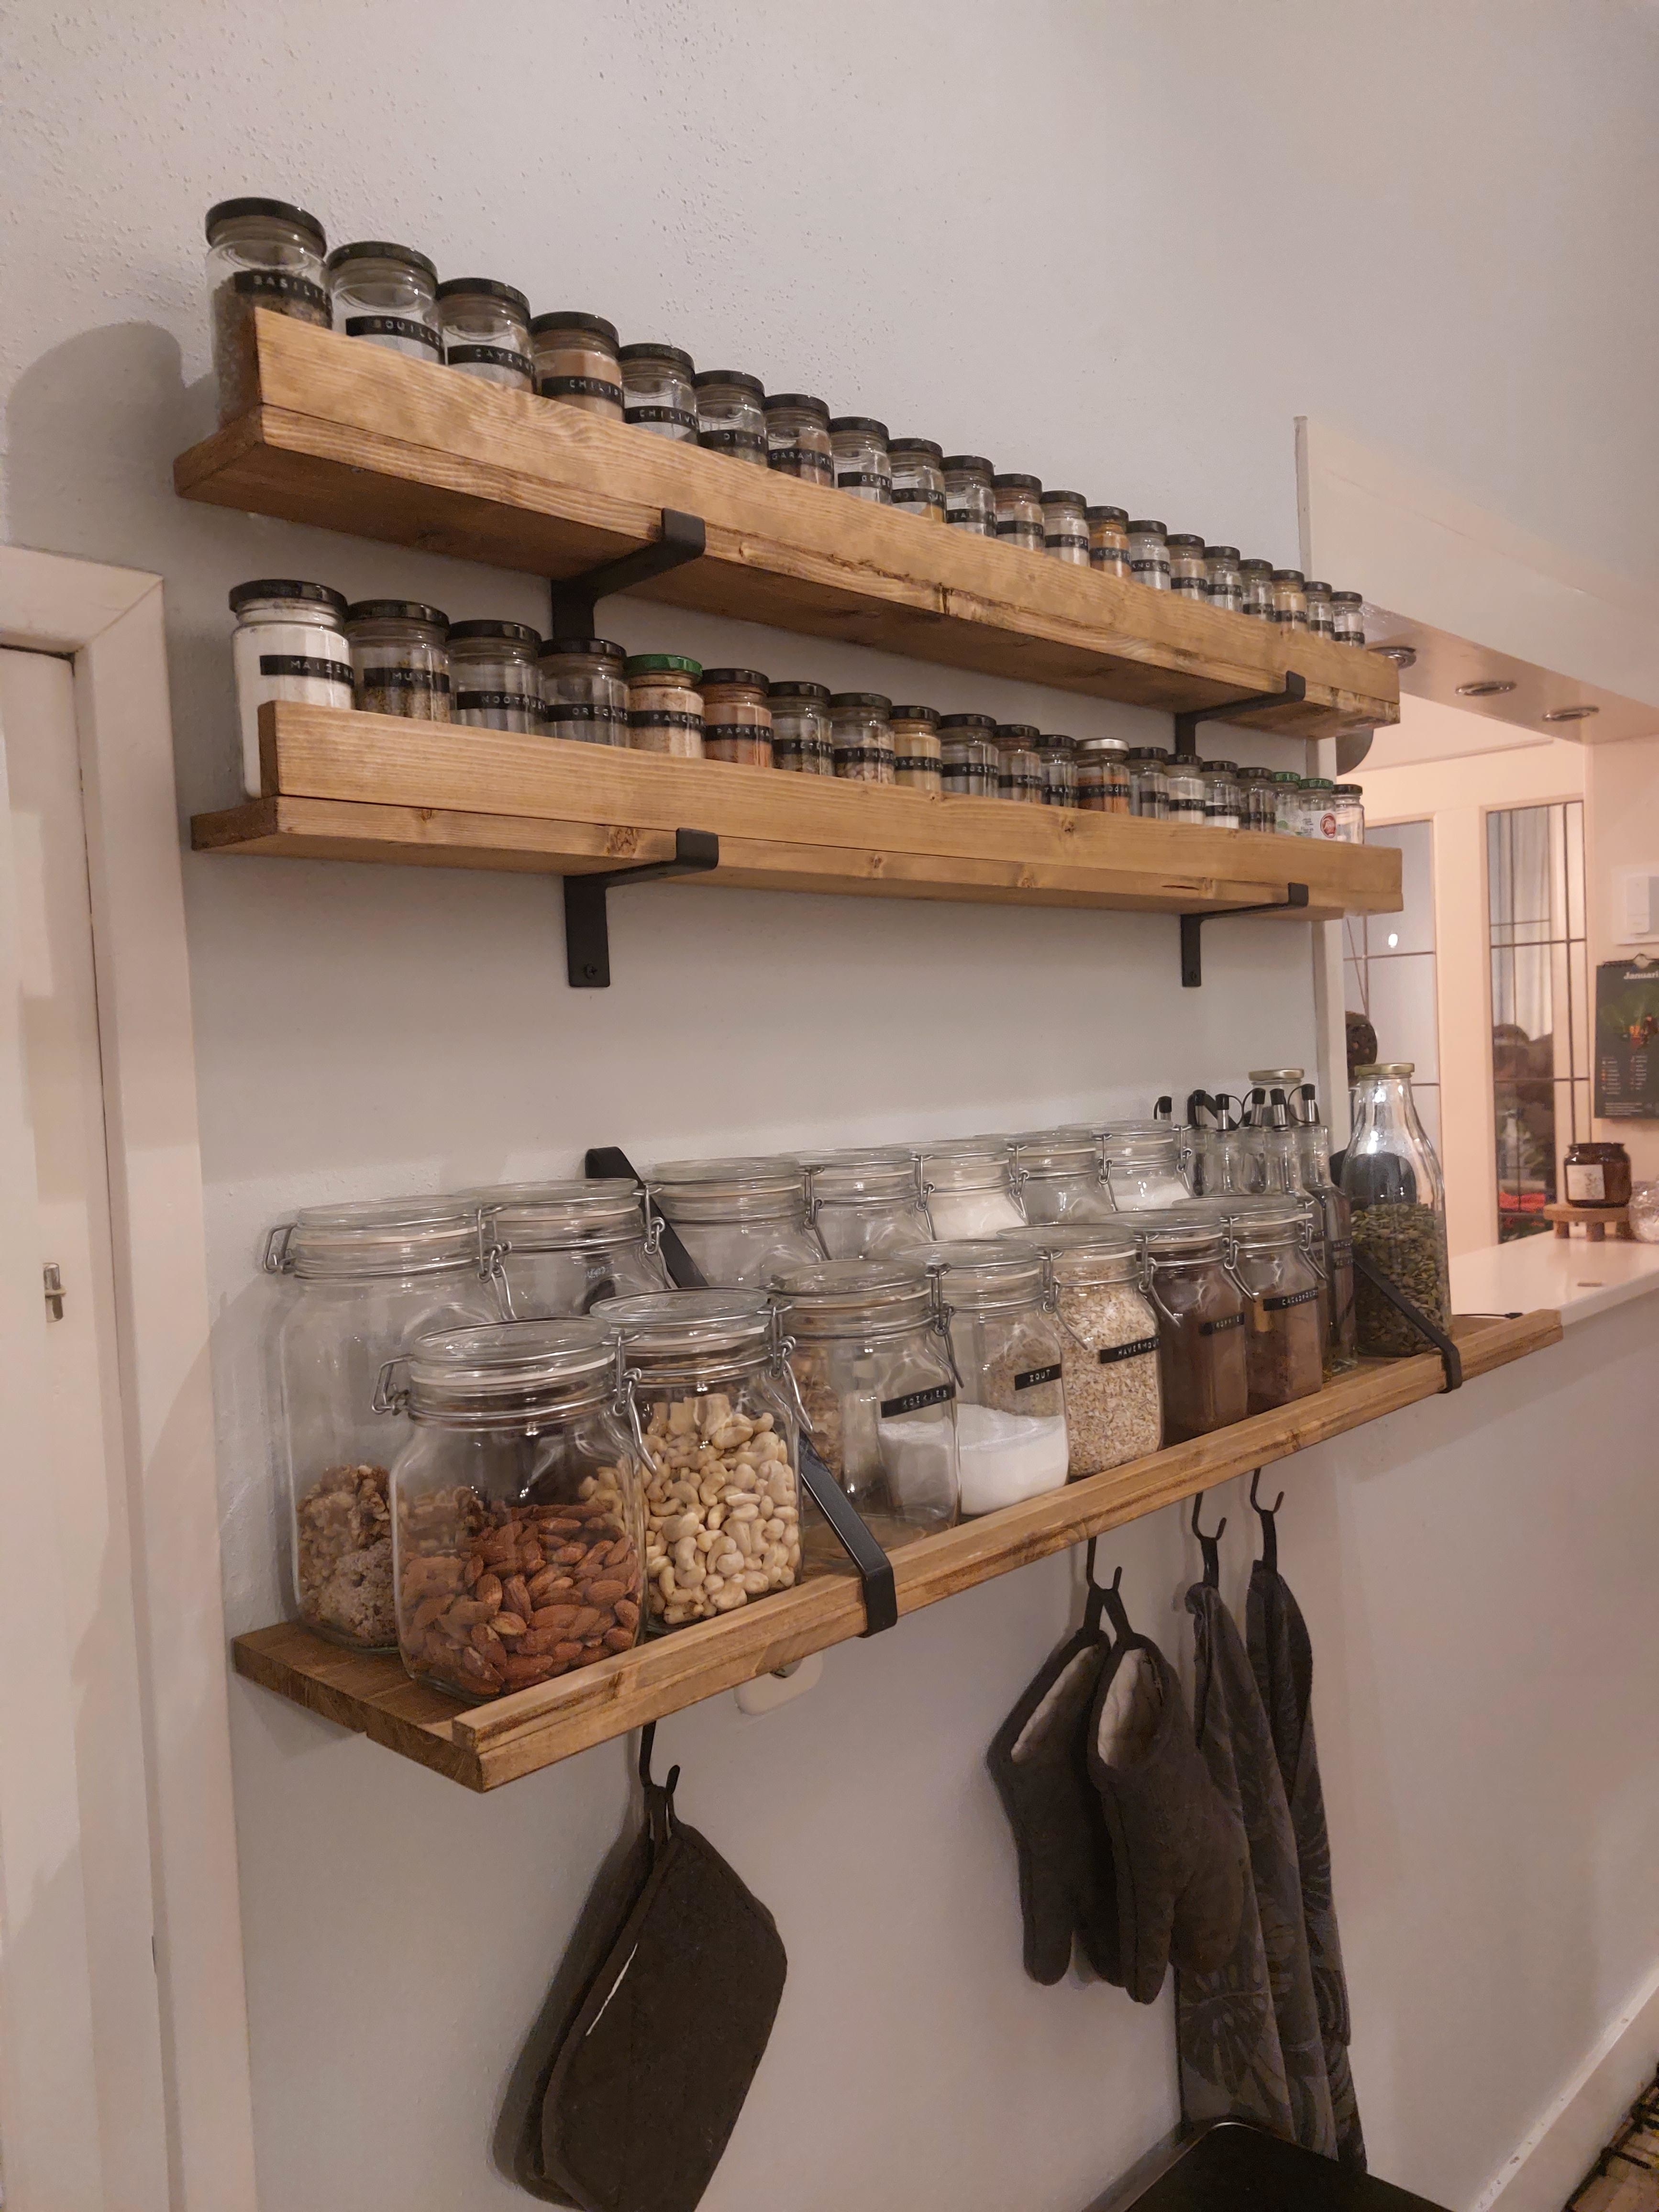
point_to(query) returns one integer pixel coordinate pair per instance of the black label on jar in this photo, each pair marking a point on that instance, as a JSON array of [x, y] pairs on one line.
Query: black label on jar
[[1019, 783], [913, 1401], [970, 518], [498, 703], [860, 756], [303, 664], [1034, 1376], [277, 284], [403, 679], [1215, 1327], [798, 461], [749, 732], [1109, 1353], [1184, 810], [914, 764], [809, 749], [681, 417], [581, 710], [1066, 537], [733, 441], [579, 387], [392, 326], [1113, 560], [1289, 618], [862, 480], [1189, 588], [494, 356], [1149, 567], [1030, 532], [912, 495], [1284, 1298], [657, 718]]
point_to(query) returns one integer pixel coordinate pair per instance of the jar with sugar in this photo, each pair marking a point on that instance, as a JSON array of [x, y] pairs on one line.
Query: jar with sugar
[[658, 394], [1184, 793], [1059, 758], [577, 362], [916, 748], [387, 296], [864, 464], [289, 643], [996, 1302], [968, 1186], [731, 414], [1020, 763], [1066, 527], [665, 704], [495, 683], [970, 502], [861, 732], [801, 739], [485, 328], [400, 659], [737, 721], [1224, 580], [918, 466], [1020, 511], [584, 691], [1189, 572], [968, 761], [1102, 776], [1149, 554], [1108, 539], [261, 253], [798, 437]]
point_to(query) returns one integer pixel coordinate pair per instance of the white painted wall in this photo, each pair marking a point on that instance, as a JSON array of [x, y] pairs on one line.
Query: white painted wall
[[1225, 217]]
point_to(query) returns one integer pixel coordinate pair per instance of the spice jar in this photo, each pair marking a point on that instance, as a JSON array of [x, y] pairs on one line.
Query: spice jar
[[872, 1366], [863, 465], [1184, 797], [916, 749], [1223, 798], [1349, 807], [388, 294], [288, 644], [1059, 1175], [1108, 1344], [1200, 1327], [860, 731], [584, 691], [658, 394], [485, 329], [495, 680], [1066, 527], [1189, 572], [665, 705], [359, 1283], [865, 1202], [1318, 608], [1019, 502], [969, 759], [801, 728], [1347, 624], [564, 1248], [1149, 554], [517, 1504], [1102, 776], [261, 253], [1392, 1181], [400, 659], [741, 1220], [1019, 764], [1108, 539], [1223, 577], [969, 501], [1058, 759], [798, 437], [918, 466], [1287, 801], [1256, 579], [1318, 811], [1290, 598], [1147, 795], [1256, 808], [721, 1452], [1334, 1224], [1283, 1348], [730, 415], [1596, 1175], [1005, 1346], [737, 721], [1142, 1162], [967, 1184], [576, 361]]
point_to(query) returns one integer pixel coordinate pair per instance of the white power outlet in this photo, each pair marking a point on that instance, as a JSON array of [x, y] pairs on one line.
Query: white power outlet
[[1635, 904]]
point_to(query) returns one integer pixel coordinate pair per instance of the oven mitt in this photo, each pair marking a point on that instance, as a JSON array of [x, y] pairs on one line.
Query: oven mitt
[[644, 2086], [1178, 1852], [1037, 1763]]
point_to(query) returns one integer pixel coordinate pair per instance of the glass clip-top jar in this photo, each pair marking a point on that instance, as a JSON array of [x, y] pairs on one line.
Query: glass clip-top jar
[[968, 1185], [1200, 1309], [742, 1220], [518, 1505], [996, 1302], [1108, 1353], [1059, 1176], [261, 253], [865, 1202], [485, 328], [387, 296], [557, 1249], [289, 644], [1142, 1161], [1274, 1266]]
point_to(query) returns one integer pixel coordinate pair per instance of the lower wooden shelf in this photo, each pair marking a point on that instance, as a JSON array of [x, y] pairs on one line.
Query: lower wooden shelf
[[485, 1745]]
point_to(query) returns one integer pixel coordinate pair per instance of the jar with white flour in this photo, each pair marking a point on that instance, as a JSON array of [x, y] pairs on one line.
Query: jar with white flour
[[969, 1187], [289, 643]]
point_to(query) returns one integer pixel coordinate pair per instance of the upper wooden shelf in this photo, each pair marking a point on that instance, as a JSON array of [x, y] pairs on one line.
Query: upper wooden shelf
[[353, 438], [485, 1745]]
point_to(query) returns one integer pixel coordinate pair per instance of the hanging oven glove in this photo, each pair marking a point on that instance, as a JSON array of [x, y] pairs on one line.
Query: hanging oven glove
[[644, 2086], [1178, 1852], [1038, 1762]]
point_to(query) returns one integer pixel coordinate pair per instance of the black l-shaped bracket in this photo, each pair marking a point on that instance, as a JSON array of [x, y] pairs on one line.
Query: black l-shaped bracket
[[681, 538], [1233, 710], [1192, 950], [586, 919]]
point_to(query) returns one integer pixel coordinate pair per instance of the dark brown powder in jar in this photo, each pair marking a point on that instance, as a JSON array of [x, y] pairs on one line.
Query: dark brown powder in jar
[[1282, 1346], [235, 353]]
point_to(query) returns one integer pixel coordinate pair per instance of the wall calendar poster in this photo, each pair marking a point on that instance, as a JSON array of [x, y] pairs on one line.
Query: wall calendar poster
[[1627, 1040]]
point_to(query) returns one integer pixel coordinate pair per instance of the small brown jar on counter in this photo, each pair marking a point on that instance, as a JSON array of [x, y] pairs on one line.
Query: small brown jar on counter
[[1596, 1175], [737, 721]]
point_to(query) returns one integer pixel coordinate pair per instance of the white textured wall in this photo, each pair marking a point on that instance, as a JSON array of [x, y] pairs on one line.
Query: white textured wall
[[1121, 245]]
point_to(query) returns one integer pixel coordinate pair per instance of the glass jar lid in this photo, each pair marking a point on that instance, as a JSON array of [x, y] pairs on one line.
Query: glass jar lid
[[503, 633], [405, 610], [1082, 1252], [286, 587], [1193, 1231], [572, 319], [763, 1187], [273, 211], [853, 1298], [381, 249], [965, 1163], [669, 356], [1120, 1139], [1265, 1219], [551, 1217], [982, 1274], [1387, 1068], [506, 1372], [865, 1175], [681, 1330], [1063, 1151], [375, 1236], [483, 287]]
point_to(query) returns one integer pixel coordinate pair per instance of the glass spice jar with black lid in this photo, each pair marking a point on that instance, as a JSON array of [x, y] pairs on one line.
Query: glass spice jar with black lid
[[658, 391], [1020, 511], [1020, 763], [485, 328], [576, 361], [918, 466], [1059, 758], [1184, 793], [737, 720], [801, 743], [387, 296], [916, 748], [861, 730], [1149, 554], [1190, 573], [1258, 806], [730, 415], [798, 437], [1102, 776], [1256, 581], [261, 253], [665, 704], [1066, 527], [1108, 539], [1223, 798], [1222, 577], [289, 643], [967, 755], [495, 683], [400, 659], [1290, 598], [1348, 620], [970, 502], [584, 691], [864, 464], [1146, 795], [1318, 608]]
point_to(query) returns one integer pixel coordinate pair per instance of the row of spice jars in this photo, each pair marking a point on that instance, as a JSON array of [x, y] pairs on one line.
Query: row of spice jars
[[1164, 786]]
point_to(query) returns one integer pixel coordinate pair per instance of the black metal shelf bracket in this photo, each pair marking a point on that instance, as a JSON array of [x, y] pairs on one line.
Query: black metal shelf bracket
[[1192, 950], [681, 538], [1232, 710], [1451, 1359], [586, 919]]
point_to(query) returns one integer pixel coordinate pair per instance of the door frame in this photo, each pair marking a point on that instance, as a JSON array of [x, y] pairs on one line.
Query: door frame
[[110, 623]]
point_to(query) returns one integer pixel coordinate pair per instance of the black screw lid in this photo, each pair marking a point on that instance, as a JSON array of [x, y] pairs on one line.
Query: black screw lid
[[1257, 568], [509, 633], [285, 587], [361, 611], [572, 319], [228, 211], [860, 422], [674, 356], [802, 401], [1187, 540], [875, 702], [1107, 513], [1312, 587], [381, 249], [1147, 529], [927, 715], [1017, 483], [1055, 741], [918, 446], [1075, 498], [749, 675], [1148, 753], [1221, 553], [596, 648], [483, 287], [970, 723], [1349, 598], [967, 465], [1288, 577], [744, 381], [812, 694], [1024, 734], [1219, 767]]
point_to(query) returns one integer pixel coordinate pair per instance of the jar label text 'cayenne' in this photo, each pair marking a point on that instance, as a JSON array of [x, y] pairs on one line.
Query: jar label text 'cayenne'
[[1110, 1354], [304, 663], [1283, 1298], [681, 417], [579, 387], [393, 326], [1032, 1376], [1214, 1328], [498, 703], [913, 1401], [493, 357], [278, 284], [403, 679]]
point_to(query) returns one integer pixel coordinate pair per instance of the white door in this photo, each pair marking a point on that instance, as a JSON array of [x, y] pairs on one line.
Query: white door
[[81, 2112]]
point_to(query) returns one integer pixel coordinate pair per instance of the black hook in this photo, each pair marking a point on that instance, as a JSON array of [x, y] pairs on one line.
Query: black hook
[[1269, 1524], [1103, 1597], [1210, 1546]]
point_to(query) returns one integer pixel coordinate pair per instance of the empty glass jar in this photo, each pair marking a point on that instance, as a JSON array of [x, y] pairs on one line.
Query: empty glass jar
[[658, 394], [865, 1202], [968, 1186], [387, 296], [400, 659], [1223, 578], [576, 361], [863, 464], [918, 467], [1108, 1343], [1318, 608], [1066, 527], [1059, 1175], [970, 502], [1147, 788], [1349, 808], [1020, 511], [564, 1248], [737, 721], [741, 1220], [1200, 1327], [916, 749], [798, 437], [1190, 573], [968, 754], [1149, 554], [861, 732], [485, 328], [1058, 759], [1019, 764], [1108, 539], [289, 643], [1142, 1161], [1347, 618], [1102, 776], [665, 704], [731, 414], [495, 683], [584, 691], [801, 741], [261, 253], [1005, 1346], [1391, 1179]]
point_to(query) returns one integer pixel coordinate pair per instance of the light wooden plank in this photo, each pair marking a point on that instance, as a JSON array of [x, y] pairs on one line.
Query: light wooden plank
[[352, 438]]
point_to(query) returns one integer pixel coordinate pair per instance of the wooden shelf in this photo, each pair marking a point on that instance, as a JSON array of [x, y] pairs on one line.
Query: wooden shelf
[[357, 786], [485, 1745], [350, 437]]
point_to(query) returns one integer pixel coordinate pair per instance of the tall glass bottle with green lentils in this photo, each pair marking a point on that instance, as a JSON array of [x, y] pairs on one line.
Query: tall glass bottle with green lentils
[[1392, 1180]]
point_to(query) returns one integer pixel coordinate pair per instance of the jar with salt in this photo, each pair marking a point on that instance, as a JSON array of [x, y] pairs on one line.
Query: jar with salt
[[916, 749], [1020, 511], [970, 502], [918, 466], [584, 691], [1190, 573], [996, 1302], [400, 659], [1102, 776], [1108, 539], [741, 1220], [1019, 764], [1149, 554], [1318, 608], [1108, 1343], [388, 296], [1200, 1325], [485, 328], [801, 740], [576, 361], [736, 720], [967, 1184], [968, 760], [665, 704], [862, 734], [1226, 585], [864, 464], [1066, 527], [865, 1201], [1059, 1175], [798, 437], [731, 414], [289, 643], [658, 394], [494, 680], [1256, 580], [1059, 758], [261, 253]]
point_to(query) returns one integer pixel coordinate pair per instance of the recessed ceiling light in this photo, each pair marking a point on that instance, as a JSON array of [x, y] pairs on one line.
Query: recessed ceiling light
[[1482, 690], [1403, 656], [1571, 713]]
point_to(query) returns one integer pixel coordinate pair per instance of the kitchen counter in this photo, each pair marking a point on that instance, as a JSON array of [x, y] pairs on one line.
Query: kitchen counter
[[1575, 1277]]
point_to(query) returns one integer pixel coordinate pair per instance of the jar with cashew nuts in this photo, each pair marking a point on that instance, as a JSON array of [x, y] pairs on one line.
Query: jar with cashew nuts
[[722, 1517], [517, 1507]]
